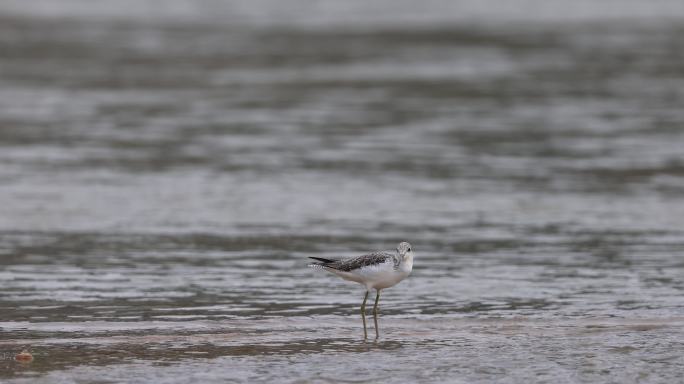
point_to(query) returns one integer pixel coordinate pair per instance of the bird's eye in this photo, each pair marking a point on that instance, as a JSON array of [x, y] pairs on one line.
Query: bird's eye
[[409, 249]]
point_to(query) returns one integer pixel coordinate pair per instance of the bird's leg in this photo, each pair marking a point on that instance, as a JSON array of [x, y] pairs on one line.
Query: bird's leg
[[375, 315], [363, 316]]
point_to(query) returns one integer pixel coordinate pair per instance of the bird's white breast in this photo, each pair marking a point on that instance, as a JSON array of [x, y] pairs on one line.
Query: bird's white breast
[[383, 275]]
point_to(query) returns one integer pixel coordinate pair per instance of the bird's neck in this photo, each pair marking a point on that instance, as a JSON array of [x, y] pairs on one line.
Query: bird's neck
[[406, 262]]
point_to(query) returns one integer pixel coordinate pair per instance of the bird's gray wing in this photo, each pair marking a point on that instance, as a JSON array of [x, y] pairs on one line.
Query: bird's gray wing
[[347, 265]]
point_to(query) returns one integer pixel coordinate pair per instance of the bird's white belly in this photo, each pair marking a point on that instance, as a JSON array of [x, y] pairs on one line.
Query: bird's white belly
[[378, 276], [387, 280]]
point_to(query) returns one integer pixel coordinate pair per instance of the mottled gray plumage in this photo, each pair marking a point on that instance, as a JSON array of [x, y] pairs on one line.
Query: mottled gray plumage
[[347, 265]]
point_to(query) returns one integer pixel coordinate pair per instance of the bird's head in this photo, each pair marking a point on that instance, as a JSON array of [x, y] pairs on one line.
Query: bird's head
[[404, 250]]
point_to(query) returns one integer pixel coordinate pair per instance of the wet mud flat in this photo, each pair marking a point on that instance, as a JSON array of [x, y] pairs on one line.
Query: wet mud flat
[[445, 349], [166, 171]]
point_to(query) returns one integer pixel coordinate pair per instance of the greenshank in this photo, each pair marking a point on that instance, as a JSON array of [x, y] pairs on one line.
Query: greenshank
[[377, 270]]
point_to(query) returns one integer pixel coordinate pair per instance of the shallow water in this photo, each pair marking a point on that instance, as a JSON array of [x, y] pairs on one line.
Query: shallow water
[[165, 175]]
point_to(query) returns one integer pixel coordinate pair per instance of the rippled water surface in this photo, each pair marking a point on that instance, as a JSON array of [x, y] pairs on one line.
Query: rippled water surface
[[166, 170]]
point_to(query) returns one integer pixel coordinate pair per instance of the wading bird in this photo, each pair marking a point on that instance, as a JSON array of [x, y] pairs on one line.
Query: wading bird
[[377, 270]]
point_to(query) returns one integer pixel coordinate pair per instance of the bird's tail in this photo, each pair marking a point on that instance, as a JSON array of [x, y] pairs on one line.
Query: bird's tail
[[322, 262]]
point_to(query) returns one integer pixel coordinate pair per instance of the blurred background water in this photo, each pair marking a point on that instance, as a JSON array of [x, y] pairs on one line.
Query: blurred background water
[[166, 167]]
